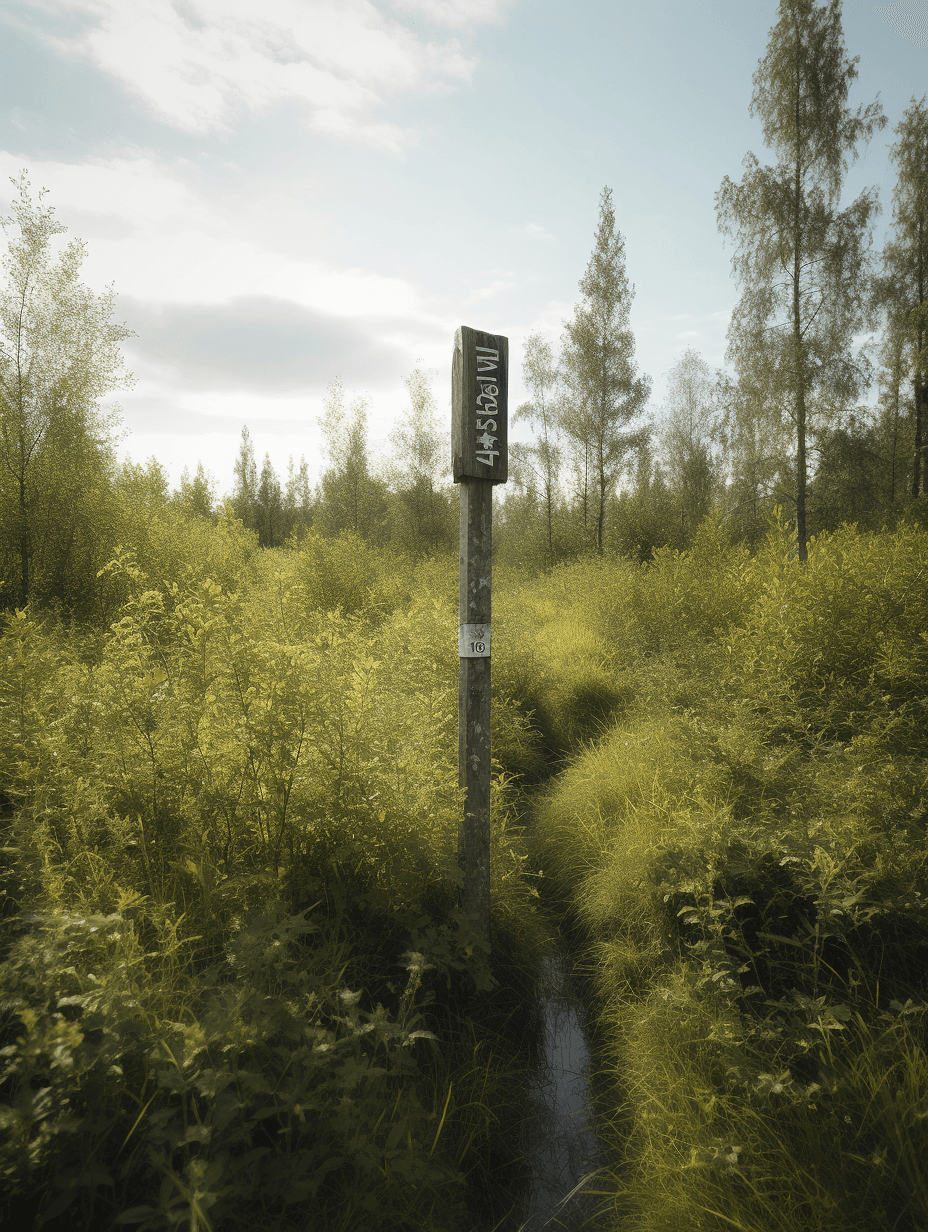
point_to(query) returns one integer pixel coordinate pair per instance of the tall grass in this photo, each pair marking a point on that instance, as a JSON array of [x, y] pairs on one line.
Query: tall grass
[[235, 987], [740, 856]]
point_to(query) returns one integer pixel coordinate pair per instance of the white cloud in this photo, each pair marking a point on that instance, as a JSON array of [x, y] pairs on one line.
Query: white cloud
[[130, 188], [159, 240], [490, 291], [454, 13], [198, 64], [550, 321], [207, 425], [536, 232]]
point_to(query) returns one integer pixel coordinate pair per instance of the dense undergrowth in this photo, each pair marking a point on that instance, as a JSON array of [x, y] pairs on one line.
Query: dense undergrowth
[[236, 989], [740, 856]]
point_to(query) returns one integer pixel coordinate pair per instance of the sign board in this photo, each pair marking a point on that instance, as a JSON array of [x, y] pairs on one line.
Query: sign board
[[479, 406], [474, 641]]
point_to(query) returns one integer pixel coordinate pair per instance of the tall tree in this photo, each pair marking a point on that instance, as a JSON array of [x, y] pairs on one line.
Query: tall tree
[[603, 395], [689, 437], [298, 499], [350, 497], [269, 507], [540, 374], [756, 456], [197, 495], [423, 512], [896, 417], [903, 286], [59, 355], [804, 267], [245, 488]]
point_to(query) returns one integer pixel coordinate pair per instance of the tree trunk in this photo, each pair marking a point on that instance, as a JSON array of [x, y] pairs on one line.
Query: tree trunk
[[918, 467], [549, 498], [601, 512], [892, 473], [24, 579], [801, 473], [798, 367], [921, 397]]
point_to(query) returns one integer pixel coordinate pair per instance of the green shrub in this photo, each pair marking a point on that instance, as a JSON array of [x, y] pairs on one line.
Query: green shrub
[[235, 823], [686, 598], [167, 546], [742, 862], [264, 1104], [838, 649]]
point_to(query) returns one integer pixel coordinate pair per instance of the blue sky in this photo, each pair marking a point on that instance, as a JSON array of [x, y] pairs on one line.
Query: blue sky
[[290, 191]]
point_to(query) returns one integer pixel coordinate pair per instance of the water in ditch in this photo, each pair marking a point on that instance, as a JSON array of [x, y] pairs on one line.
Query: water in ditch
[[561, 1144]]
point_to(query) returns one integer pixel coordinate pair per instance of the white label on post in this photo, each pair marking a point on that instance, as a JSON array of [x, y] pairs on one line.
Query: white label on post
[[473, 641]]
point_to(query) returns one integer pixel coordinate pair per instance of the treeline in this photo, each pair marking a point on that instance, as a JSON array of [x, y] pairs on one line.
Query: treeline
[[68, 506], [790, 427], [405, 502]]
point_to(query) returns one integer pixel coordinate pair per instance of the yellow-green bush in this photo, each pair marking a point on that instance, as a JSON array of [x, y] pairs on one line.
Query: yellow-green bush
[[347, 573], [683, 599], [169, 546], [552, 658], [235, 825], [743, 857], [837, 649]]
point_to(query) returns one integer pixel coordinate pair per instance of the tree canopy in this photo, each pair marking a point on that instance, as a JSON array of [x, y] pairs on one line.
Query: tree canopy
[[59, 356], [602, 394], [803, 264]]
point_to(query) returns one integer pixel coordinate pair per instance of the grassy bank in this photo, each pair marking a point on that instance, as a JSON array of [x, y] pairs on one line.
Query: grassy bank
[[738, 851]]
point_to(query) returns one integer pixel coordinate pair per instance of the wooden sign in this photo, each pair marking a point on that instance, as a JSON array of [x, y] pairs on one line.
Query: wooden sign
[[479, 406], [480, 459]]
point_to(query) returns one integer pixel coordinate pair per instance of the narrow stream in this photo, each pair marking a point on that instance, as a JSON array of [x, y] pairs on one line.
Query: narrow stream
[[560, 1141]]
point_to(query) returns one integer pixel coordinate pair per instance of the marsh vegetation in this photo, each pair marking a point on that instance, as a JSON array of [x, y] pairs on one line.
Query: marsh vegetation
[[236, 990]]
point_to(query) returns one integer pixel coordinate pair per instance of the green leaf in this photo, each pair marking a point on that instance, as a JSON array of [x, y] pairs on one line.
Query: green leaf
[[396, 1134]]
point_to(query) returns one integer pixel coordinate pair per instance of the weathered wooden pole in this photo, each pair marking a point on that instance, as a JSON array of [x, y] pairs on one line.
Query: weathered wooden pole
[[480, 459]]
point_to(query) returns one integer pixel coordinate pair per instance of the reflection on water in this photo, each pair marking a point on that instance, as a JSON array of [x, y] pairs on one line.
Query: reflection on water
[[561, 1144]]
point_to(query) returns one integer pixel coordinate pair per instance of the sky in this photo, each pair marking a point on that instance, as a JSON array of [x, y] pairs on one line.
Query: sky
[[287, 192]]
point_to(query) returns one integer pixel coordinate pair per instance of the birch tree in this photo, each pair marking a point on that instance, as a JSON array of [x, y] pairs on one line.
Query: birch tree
[[424, 517], [602, 393], [758, 466], [245, 488], [59, 356], [350, 497], [803, 265], [903, 285], [543, 458], [197, 495], [269, 506], [298, 498], [689, 435]]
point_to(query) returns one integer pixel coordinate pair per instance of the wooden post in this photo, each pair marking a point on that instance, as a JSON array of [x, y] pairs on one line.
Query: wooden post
[[479, 445]]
